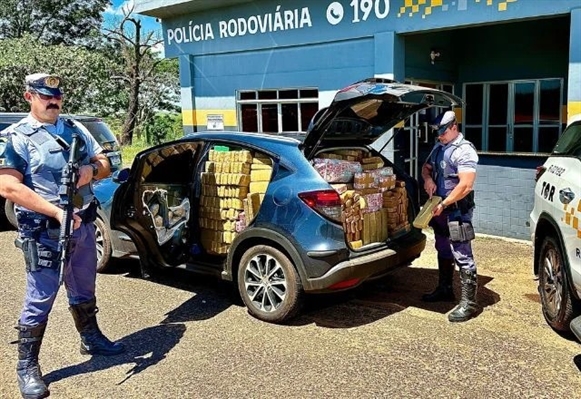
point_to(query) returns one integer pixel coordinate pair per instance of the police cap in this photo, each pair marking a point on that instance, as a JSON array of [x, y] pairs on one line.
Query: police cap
[[44, 83], [443, 122]]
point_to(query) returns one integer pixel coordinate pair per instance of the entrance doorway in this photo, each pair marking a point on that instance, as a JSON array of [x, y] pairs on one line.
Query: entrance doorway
[[417, 139]]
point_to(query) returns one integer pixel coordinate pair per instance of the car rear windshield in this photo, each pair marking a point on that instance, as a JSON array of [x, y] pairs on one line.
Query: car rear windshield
[[99, 130], [570, 142]]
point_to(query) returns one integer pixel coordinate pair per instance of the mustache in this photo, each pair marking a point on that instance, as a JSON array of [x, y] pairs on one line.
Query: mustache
[[52, 106]]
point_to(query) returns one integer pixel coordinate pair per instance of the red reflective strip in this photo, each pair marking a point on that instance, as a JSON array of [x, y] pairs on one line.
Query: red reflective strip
[[345, 284]]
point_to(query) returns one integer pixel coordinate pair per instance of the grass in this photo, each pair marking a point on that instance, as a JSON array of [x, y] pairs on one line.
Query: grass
[[129, 152]]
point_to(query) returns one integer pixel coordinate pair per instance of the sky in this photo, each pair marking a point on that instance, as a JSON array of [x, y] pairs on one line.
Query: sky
[[115, 14]]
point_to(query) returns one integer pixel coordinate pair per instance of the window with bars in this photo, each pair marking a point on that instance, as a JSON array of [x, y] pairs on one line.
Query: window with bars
[[276, 110], [522, 116]]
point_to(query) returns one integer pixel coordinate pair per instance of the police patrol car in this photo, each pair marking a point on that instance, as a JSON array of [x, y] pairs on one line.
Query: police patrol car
[[556, 232]]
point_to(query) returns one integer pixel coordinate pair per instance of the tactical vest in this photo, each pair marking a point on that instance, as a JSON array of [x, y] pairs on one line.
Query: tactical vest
[[52, 152], [445, 173]]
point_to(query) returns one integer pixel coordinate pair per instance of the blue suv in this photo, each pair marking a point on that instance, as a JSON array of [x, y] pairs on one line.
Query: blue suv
[[280, 216]]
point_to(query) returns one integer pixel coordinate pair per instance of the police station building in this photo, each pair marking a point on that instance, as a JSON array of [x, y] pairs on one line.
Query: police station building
[[270, 65]]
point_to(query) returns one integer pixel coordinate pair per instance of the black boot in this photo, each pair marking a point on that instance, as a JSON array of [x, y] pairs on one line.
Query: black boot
[[467, 308], [444, 290], [93, 342], [27, 370]]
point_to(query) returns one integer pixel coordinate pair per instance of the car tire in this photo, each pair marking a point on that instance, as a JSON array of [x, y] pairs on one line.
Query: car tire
[[269, 284], [10, 213], [554, 289], [103, 243]]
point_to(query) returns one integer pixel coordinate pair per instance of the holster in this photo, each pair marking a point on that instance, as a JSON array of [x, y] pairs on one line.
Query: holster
[[30, 251], [89, 215], [461, 231], [53, 228]]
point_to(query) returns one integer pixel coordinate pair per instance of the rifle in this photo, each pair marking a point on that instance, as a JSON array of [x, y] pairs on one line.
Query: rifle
[[69, 177]]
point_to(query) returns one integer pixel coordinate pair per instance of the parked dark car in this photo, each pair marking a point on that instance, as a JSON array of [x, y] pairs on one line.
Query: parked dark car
[[278, 216], [109, 243]]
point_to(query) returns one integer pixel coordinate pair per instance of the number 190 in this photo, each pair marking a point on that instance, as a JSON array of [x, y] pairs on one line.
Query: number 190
[[365, 7]]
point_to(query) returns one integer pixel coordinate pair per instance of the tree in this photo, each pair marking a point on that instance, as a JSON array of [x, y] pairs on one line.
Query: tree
[[145, 71], [52, 21], [86, 75], [120, 74]]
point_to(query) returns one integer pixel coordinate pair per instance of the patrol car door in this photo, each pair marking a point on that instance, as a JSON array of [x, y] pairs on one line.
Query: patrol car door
[[560, 194], [153, 206]]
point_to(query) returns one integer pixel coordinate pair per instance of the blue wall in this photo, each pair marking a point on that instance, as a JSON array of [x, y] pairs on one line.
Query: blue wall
[[519, 50], [189, 34], [324, 66], [536, 49]]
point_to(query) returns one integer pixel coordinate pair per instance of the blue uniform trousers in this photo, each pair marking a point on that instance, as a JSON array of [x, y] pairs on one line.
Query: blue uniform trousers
[[79, 277], [461, 252]]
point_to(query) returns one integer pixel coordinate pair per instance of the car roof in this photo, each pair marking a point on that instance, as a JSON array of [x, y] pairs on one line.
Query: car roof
[[285, 148], [575, 118], [16, 116], [241, 136]]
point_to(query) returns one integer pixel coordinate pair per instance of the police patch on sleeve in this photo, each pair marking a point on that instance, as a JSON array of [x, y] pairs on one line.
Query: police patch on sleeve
[[9, 159]]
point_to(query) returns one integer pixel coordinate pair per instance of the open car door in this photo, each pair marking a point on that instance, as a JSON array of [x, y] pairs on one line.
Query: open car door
[[153, 205]]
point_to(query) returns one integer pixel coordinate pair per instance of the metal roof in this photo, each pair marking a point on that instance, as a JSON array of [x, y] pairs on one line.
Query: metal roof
[[166, 9]]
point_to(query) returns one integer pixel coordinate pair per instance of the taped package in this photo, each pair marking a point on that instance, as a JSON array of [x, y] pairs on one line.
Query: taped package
[[423, 219]]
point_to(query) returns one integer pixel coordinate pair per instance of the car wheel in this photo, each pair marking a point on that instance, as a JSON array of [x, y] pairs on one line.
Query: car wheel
[[10, 213], [554, 290], [269, 284], [103, 243]]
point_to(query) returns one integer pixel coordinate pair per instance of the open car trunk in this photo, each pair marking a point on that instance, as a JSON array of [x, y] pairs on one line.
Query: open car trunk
[[375, 204]]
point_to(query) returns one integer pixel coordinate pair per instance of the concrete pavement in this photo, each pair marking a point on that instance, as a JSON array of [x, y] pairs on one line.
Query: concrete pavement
[[187, 339]]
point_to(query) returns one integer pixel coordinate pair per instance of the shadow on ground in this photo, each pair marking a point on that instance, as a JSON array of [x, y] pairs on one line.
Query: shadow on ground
[[372, 301], [144, 349], [381, 298]]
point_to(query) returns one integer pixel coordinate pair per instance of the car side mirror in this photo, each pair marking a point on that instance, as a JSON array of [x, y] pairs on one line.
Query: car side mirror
[[121, 176]]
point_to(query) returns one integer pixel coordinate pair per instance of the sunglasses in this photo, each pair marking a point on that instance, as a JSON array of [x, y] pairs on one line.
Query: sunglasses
[[442, 129], [46, 97]]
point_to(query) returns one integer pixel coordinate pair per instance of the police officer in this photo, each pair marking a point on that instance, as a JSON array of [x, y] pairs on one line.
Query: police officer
[[33, 153], [450, 172]]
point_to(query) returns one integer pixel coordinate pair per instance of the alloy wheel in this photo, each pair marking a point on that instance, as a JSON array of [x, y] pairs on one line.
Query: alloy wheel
[[265, 282], [553, 284]]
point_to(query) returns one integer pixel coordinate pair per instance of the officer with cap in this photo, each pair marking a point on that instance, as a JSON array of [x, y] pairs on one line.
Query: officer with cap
[[450, 172], [33, 153]]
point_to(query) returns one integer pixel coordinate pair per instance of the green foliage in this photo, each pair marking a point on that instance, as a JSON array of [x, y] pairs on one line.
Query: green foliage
[[128, 152], [52, 21], [111, 72], [86, 75], [162, 128]]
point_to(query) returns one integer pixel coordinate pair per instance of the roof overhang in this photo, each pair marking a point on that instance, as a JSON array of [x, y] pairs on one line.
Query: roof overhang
[[167, 9]]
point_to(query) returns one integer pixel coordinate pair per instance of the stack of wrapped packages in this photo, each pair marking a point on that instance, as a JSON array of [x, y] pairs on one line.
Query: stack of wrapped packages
[[233, 186], [374, 203]]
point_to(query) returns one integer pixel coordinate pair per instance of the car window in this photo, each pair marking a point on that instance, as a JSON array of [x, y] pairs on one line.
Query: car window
[[170, 165], [4, 123], [570, 141], [99, 130]]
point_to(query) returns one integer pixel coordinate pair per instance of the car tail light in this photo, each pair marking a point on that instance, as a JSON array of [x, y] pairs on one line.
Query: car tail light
[[540, 170], [325, 202], [110, 146]]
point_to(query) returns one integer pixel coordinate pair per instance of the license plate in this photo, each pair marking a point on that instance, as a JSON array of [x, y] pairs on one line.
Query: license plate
[[115, 160]]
